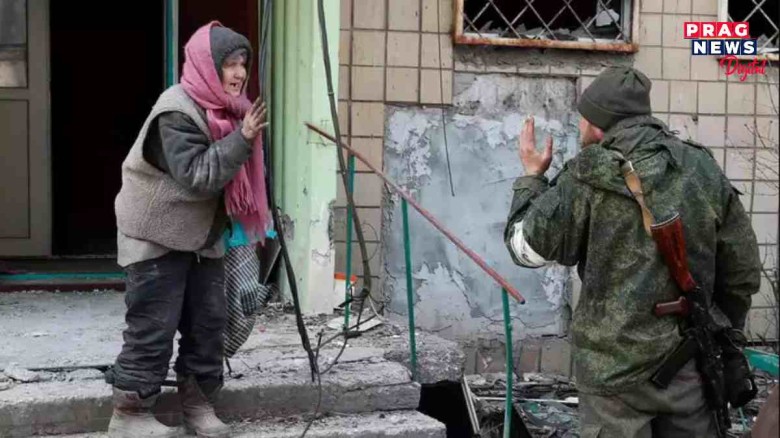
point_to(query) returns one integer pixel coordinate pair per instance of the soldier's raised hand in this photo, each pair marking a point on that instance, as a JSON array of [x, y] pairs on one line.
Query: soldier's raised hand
[[534, 162]]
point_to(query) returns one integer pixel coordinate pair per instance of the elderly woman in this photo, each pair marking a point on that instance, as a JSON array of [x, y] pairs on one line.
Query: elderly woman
[[196, 164]]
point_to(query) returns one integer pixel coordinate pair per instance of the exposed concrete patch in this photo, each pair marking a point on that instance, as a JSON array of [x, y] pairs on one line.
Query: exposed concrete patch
[[401, 424], [15, 372], [288, 225], [322, 258], [410, 144], [453, 297], [561, 62]]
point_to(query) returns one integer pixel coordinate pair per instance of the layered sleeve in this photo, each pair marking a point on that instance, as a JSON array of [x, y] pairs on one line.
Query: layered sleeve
[[737, 263], [547, 222], [192, 160]]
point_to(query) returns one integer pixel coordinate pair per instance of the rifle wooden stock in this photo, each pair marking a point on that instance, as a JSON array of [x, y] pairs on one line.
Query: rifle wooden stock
[[668, 237]]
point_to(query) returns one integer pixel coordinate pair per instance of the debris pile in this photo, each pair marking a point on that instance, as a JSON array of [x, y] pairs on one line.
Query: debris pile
[[743, 420], [545, 406]]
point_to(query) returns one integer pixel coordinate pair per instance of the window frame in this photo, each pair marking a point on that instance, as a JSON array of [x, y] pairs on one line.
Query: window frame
[[723, 15], [460, 37], [25, 48]]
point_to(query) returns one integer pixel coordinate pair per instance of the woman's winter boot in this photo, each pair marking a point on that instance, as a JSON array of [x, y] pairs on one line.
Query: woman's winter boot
[[133, 418], [198, 409]]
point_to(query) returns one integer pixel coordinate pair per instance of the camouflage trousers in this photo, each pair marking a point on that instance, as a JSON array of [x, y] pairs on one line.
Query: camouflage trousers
[[648, 412]]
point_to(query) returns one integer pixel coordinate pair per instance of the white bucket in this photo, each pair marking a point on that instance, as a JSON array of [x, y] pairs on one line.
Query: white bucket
[[340, 283]]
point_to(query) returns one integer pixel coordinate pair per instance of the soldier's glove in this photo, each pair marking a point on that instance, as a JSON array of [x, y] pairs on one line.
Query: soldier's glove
[[740, 384]]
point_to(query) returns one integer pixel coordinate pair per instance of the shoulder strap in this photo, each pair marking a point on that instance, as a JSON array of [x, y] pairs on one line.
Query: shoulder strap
[[634, 185]]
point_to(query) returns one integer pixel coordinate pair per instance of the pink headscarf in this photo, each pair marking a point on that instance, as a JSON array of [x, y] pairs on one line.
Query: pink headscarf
[[245, 195]]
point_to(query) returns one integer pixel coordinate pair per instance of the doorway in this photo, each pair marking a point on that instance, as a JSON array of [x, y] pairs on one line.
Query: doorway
[[107, 70], [106, 73], [239, 15]]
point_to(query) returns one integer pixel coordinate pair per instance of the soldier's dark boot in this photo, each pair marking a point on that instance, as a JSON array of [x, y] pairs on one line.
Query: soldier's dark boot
[[197, 403], [133, 418]]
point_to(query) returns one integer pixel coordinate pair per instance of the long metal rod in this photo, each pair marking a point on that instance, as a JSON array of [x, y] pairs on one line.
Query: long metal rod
[[509, 365], [427, 215], [441, 94], [409, 289], [348, 282]]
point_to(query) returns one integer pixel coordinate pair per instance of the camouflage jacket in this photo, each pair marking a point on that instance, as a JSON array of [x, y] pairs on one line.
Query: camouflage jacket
[[587, 217]]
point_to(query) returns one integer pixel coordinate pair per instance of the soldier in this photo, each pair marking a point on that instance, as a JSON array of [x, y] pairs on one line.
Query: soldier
[[588, 217]]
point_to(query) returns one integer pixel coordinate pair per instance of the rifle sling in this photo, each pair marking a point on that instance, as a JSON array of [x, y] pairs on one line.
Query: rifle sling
[[634, 185], [687, 349]]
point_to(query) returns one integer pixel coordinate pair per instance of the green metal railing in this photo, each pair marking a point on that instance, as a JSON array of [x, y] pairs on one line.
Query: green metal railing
[[509, 364], [171, 34], [409, 290], [507, 288], [348, 288]]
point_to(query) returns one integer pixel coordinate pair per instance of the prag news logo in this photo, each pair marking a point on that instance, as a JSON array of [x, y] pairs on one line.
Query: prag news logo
[[728, 40]]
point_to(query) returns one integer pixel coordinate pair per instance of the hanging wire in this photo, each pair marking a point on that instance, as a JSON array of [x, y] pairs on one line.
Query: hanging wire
[[441, 91]]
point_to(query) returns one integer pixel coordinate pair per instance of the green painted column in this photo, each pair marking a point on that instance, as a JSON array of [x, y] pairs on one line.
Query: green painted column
[[171, 42], [305, 167]]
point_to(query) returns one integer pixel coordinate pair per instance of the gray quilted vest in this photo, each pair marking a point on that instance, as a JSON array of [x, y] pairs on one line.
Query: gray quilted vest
[[151, 205]]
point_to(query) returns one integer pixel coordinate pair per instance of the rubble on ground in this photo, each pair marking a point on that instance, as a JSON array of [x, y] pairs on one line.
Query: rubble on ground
[[19, 374], [545, 405], [742, 420]]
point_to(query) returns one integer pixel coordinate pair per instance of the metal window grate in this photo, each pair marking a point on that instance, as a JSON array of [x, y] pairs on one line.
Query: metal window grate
[[575, 24], [762, 15]]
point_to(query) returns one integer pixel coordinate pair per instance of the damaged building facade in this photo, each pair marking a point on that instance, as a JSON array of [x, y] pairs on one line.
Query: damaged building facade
[[434, 92]]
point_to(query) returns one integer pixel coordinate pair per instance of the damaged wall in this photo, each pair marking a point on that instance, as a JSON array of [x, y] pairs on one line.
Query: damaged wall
[[452, 295]]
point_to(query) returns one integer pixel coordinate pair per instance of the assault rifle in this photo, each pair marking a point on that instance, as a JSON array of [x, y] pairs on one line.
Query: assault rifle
[[699, 334], [703, 340]]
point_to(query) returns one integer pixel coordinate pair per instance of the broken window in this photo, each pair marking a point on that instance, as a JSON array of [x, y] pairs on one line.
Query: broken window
[[574, 24], [762, 16]]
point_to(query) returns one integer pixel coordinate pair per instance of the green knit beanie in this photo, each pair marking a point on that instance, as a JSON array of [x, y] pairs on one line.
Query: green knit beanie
[[617, 93]]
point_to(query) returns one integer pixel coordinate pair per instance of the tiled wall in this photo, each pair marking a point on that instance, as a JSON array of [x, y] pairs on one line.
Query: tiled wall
[[389, 54]]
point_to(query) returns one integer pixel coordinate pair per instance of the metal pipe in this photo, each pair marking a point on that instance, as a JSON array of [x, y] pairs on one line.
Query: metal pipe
[[409, 289], [348, 282], [509, 365], [427, 215]]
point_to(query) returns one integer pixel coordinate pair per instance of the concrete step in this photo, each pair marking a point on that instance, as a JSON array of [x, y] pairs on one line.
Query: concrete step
[[273, 384], [50, 330], [397, 424]]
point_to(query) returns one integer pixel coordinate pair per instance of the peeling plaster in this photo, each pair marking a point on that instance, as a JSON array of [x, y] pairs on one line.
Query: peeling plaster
[[288, 226], [322, 258], [412, 143], [453, 297], [331, 220]]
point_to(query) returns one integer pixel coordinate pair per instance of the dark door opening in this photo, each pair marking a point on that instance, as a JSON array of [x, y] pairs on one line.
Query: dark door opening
[[107, 70], [106, 73], [239, 15]]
